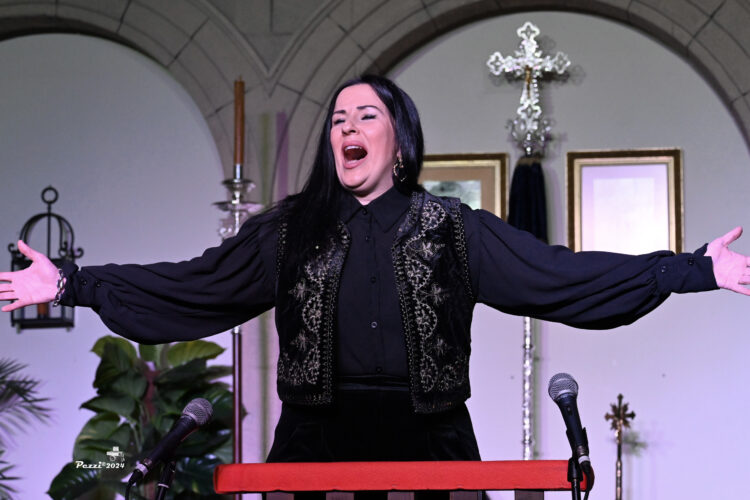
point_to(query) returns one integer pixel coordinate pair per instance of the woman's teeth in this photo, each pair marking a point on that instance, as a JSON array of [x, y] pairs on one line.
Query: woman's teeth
[[354, 153]]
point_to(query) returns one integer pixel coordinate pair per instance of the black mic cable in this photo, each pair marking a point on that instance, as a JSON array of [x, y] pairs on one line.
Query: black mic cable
[[165, 481]]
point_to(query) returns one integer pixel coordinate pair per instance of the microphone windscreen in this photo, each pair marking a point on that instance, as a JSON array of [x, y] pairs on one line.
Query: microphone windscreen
[[199, 410], [562, 384]]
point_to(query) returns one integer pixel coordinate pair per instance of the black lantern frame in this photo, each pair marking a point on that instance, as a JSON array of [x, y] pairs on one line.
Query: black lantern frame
[[45, 315]]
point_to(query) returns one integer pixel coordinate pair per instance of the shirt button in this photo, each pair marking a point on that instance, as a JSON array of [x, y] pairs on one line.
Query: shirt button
[[374, 324], [84, 282], [373, 279], [98, 284], [364, 211], [664, 269], [691, 261], [378, 369], [367, 237]]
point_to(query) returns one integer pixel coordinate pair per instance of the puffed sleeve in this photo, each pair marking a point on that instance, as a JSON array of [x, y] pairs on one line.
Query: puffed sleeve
[[514, 272], [167, 302]]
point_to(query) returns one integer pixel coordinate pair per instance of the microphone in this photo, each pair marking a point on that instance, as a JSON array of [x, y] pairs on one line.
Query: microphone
[[196, 414], [563, 390]]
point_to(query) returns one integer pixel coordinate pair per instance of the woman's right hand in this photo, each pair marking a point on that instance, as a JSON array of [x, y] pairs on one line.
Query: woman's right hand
[[36, 284]]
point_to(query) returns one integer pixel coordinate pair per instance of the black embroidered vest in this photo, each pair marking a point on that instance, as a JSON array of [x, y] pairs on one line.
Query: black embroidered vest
[[434, 290]]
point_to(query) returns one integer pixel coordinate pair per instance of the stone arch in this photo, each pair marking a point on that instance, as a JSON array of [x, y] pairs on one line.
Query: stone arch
[[352, 38], [205, 50], [198, 46]]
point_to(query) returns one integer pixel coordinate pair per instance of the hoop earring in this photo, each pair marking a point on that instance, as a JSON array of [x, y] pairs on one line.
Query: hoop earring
[[399, 171]]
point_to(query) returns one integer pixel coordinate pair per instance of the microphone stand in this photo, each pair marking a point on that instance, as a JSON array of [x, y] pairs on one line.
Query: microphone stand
[[165, 481], [574, 477]]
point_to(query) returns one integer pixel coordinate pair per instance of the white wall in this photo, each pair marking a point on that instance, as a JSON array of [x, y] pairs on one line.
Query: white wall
[[137, 171], [682, 368]]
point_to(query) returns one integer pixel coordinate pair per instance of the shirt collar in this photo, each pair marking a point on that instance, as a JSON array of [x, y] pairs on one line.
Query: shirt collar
[[387, 209]]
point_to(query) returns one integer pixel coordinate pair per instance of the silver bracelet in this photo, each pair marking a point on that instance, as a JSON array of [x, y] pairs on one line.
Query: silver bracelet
[[60, 287]]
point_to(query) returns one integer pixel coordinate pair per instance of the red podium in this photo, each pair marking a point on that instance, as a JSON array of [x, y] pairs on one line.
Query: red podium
[[529, 479]]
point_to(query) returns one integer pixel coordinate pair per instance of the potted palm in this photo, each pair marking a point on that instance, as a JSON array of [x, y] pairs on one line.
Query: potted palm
[[19, 407]]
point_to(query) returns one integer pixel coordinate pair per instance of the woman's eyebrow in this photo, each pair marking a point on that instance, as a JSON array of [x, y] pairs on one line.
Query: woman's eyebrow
[[364, 106]]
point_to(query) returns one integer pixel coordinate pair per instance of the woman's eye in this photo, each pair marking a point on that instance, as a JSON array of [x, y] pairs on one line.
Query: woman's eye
[[368, 117], [337, 121]]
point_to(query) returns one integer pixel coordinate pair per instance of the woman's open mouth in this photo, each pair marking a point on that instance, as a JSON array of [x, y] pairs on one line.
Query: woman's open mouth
[[353, 155]]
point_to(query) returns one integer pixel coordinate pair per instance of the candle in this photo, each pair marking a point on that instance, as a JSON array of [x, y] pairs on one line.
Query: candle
[[42, 310], [239, 127]]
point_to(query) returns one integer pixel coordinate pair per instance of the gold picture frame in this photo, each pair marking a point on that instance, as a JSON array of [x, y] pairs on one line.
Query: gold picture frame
[[479, 179], [627, 201]]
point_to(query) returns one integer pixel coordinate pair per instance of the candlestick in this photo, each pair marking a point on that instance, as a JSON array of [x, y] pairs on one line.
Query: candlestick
[[238, 209], [239, 127]]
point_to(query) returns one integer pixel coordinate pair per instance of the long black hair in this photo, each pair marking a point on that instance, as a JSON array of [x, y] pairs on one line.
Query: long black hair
[[312, 214]]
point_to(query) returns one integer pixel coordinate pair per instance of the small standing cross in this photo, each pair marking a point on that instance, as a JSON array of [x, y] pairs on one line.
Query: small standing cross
[[620, 417], [530, 130]]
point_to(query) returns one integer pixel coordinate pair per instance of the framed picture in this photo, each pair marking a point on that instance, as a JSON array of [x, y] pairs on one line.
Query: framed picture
[[627, 201], [479, 180]]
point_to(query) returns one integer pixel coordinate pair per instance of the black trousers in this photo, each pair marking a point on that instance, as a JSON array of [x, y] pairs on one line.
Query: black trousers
[[372, 424]]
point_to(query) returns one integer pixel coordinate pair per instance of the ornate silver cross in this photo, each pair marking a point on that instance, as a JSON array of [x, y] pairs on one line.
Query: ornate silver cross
[[530, 129]]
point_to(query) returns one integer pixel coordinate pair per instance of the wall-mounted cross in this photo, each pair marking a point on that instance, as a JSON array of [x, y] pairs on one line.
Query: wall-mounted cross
[[530, 129]]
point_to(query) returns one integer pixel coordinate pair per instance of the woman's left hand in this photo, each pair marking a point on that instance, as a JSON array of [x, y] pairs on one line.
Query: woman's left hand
[[731, 269]]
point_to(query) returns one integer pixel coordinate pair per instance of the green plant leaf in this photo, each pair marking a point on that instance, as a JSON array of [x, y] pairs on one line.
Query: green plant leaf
[[218, 371], [100, 426], [202, 443], [72, 482], [161, 362], [225, 452], [93, 451], [123, 345], [121, 405], [130, 384], [195, 475], [122, 382], [99, 435], [172, 396], [120, 487], [184, 375], [221, 399], [114, 364], [6, 490], [148, 352], [185, 352], [19, 402], [123, 435], [106, 490]]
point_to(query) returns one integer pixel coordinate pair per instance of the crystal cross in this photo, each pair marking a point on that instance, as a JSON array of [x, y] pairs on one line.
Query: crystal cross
[[529, 129]]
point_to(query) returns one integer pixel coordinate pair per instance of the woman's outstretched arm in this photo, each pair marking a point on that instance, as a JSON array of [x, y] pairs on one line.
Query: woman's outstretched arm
[[514, 272], [36, 284], [731, 269], [162, 302]]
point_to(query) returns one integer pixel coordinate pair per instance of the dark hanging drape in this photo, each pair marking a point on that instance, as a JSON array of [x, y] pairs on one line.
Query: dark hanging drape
[[528, 204]]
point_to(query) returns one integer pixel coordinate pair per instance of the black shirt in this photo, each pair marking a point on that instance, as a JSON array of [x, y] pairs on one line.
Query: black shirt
[[370, 336], [510, 271]]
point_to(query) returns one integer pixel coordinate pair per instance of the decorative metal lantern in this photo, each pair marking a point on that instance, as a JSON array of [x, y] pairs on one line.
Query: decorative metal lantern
[[45, 315]]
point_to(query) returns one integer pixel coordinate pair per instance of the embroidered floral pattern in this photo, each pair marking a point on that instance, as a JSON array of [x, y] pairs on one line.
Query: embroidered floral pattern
[[435, 294], [301, 365], [434, 290], [426, 294]]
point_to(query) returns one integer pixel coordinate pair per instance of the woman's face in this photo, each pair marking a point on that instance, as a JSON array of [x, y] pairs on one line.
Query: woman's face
[[364, 142]]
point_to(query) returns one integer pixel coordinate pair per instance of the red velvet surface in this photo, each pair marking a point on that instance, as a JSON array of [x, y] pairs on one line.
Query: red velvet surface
[[399, 476]]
